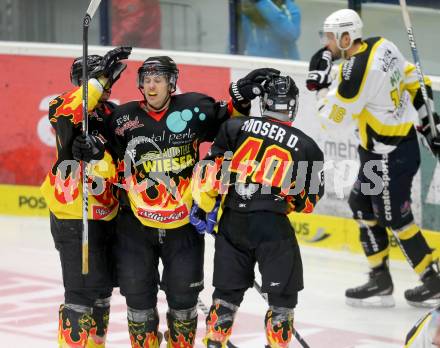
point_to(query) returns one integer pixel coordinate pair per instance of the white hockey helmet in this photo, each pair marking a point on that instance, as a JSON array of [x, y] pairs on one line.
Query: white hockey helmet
[[342, 21]]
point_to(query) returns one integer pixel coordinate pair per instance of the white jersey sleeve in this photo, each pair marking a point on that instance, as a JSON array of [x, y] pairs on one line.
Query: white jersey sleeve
[[422, 333], [369, 92]]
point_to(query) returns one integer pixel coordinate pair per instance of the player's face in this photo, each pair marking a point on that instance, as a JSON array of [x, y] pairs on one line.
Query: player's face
[[105, 95], [156, 90], [329, 40]]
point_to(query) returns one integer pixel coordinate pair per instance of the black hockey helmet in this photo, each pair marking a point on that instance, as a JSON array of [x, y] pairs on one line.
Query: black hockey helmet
[[93, 61], [280, 98], [160, 65]]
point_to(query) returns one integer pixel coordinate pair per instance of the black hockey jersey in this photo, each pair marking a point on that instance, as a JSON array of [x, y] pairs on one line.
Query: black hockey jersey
[[261, 164], [157, 153], [62, 188]]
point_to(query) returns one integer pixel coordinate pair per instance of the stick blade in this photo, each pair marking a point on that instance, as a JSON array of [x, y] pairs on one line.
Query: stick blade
[[93, 6]]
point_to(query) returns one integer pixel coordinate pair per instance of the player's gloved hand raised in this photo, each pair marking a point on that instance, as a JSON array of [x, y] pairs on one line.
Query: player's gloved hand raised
[[87, 148], [110, 67], [249, 87], [197, 218], [320, 67], [211, 217]]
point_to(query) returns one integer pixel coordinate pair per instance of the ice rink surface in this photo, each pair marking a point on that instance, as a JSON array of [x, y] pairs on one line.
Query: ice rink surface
[[31, 291]]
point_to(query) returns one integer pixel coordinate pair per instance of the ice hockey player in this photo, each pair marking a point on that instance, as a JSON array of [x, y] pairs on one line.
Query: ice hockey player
[[156, 141], [426, 332], [374, 90], [265, 168], [83, 318]]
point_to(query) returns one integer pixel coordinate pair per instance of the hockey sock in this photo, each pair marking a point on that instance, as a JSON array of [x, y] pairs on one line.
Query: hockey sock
[[74, 325], [182, 326], [219, 323], [142, 327], [414, 247], [100, 317], [279, 326], [374, 240]]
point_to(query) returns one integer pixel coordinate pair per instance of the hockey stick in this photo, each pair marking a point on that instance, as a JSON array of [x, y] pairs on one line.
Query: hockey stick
[[93, 6], [296, 334], [205, 311], [415, 54]]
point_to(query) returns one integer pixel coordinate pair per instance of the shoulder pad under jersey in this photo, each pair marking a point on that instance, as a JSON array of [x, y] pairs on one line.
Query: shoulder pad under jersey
[[355, 70]]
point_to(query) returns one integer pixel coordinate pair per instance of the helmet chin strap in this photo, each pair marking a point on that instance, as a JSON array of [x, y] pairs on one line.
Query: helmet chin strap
[[344, 50]]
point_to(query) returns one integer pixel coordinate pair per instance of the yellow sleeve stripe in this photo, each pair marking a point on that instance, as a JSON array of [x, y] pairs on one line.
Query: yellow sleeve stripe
[[95, 92], [399, 130], [364, 78], [417, 332], [413, 86], [410, 69]]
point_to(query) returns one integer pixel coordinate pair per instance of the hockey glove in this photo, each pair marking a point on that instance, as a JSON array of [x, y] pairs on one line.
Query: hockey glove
[[87, 148], [320, 67], [197, 218], [425, 129], [211, 217], [110, 66], [249, 87]]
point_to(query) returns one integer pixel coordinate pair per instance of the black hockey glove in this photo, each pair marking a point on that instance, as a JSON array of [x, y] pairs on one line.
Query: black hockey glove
[[425, 129], [110, 66], [249, 87], [87, 148], [320, 67]]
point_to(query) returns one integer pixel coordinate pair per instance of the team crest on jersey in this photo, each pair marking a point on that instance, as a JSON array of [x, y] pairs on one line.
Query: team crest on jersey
[[128, 125], [388, 61]]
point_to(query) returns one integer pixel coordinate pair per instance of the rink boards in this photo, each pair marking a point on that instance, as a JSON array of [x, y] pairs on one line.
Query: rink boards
[[323, 231], [27, 142]]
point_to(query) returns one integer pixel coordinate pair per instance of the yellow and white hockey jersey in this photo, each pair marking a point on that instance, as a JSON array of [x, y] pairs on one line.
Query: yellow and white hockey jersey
[[425, 332], [375, 89]]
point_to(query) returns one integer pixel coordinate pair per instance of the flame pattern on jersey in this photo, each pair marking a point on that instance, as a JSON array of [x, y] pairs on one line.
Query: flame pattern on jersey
[[63, 191], [68, 105], [161, 152]]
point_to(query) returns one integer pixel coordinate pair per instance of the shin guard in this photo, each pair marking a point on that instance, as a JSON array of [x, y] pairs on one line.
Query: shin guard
[[219, 323], [143, 328], [74, 325], [279, 326], [100, 318], [182, 327]]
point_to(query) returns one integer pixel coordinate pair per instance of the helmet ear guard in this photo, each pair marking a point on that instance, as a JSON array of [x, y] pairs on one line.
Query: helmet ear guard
[[280, 98], [159, 66]]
